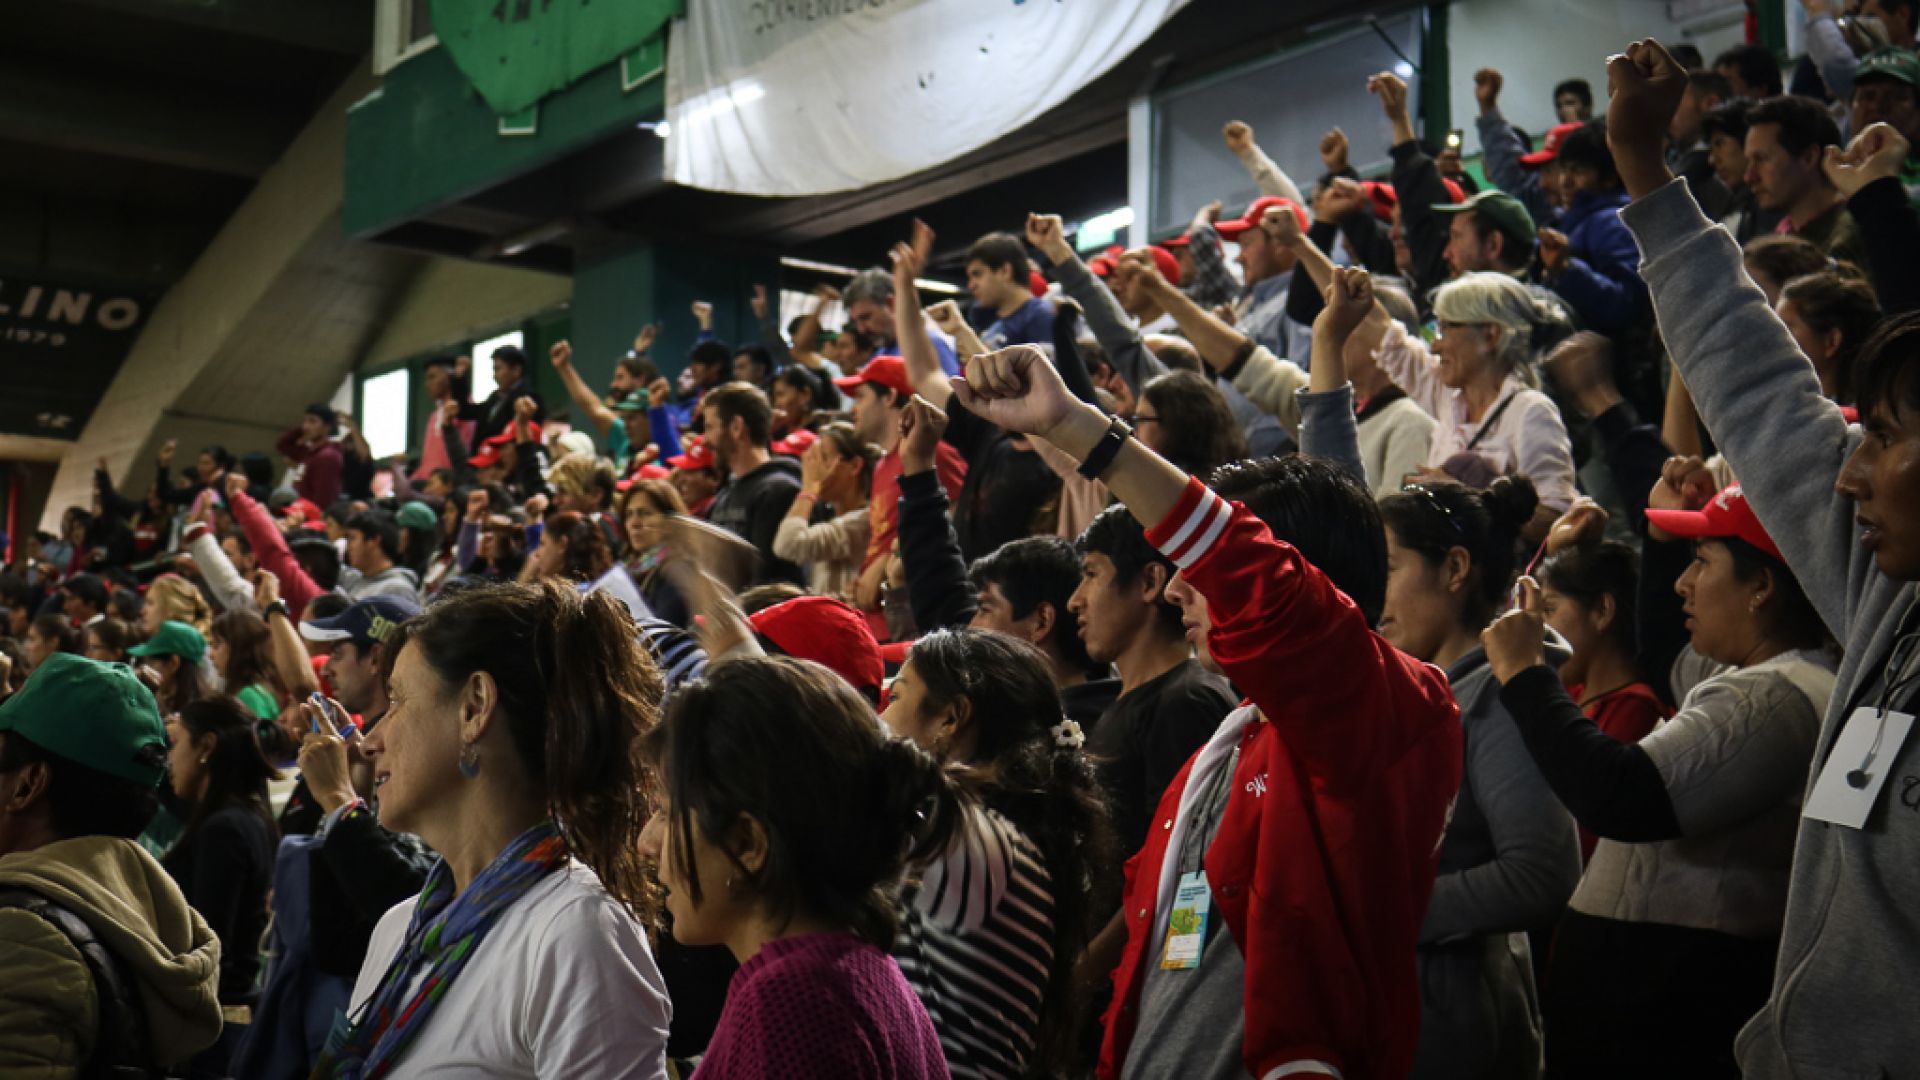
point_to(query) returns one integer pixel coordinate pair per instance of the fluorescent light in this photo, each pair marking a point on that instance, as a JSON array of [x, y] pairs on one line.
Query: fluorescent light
[[1403, 69], [848, 271]]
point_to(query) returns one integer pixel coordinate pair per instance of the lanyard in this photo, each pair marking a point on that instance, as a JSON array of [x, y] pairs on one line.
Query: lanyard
[[1492, 419]]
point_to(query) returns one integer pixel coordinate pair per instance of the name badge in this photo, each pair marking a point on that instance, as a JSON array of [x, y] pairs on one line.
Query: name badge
[[1187, 925], [1858, 768]]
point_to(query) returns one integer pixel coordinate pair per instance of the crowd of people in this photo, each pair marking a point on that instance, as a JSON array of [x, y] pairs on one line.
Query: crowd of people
[[1468, 632]]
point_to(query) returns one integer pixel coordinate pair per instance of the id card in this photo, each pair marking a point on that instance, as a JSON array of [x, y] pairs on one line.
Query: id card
[[1187, 925], [1857, 769]]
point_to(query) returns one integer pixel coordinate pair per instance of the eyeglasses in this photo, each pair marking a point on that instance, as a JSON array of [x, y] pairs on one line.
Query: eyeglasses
[[1434, 499]]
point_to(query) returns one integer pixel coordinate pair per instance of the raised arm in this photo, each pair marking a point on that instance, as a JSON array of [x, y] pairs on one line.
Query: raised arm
[[1756, 390], [938, 588], [1216, 342], [1269, 177], [1119, 338], [1328, 428], [909, 320], [1868, 172], [765, 318], [583, 396], [284, 647]]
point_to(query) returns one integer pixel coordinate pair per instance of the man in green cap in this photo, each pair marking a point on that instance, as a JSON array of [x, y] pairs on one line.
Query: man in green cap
[[1885, 88], [103, 966], [1491, 232]]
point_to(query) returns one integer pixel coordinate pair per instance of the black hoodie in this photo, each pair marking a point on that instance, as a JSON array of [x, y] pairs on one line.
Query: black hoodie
[[751, 507]]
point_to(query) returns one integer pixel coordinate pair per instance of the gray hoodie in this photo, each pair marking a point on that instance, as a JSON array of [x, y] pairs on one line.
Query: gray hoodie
[[1850, 947]]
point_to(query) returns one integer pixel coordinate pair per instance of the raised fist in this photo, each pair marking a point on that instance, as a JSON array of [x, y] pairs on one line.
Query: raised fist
[[1238, 135], [1486, 88]]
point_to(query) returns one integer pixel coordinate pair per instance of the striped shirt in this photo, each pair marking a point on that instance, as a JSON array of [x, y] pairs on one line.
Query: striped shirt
[[976, 943]]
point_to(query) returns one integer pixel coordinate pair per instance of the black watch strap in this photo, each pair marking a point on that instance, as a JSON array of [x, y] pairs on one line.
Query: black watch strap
[[1103, 453], [278, 607]]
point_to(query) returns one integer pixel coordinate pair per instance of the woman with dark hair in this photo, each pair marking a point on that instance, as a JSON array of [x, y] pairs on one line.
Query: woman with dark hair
[[1509, 858], [1669, 944], [108, 641], [996, 921], [836, 470], [239, 648], [1830, 315], [785, 826], [574, 547], [644, 511], [512, 748], [799, 397], [1182, 417], [49, 634], [1773, 260], [223, 859]]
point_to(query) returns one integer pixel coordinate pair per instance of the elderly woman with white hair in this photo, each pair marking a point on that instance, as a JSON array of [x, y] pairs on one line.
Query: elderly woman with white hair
[[1474, 380]]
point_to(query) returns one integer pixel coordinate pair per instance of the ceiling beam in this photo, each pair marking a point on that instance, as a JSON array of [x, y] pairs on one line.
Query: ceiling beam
[[335, 26], [128, 119]]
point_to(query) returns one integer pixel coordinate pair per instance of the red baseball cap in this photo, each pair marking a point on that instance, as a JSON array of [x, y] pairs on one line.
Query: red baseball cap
[[489, 454], [888, 371], [1169, 266], [1176, 242], [1382, 197], [694, 454], [1229, 230], [306, 509], [1036, 283], [1727, 514], [1549, 149], [828, 632], [795, 443]]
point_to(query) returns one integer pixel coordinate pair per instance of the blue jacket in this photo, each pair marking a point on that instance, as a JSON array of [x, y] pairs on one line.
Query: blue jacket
[[1601, 281]]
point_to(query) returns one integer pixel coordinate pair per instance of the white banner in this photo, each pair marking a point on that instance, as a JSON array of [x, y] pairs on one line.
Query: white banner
[[806, 97]]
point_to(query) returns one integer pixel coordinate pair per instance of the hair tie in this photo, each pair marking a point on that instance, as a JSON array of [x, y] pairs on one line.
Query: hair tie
[[1067, 735]]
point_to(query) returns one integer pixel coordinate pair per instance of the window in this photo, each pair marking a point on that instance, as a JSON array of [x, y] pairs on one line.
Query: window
[[383, 412], [402, 30], [483, 384]]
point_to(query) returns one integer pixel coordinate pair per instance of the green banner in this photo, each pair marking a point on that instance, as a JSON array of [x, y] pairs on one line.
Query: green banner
[[61, 343], [516, 52]]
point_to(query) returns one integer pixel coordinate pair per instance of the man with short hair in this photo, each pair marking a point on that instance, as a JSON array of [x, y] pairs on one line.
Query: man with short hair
[[84, 599], [104, 968], [709, 364], [753, 364], [869, 300], [1573, 101], [1884, 92], [998, 279], [316, 457], [1266, 275], [760, 487], [373, 550], [447, 386], [1724, 128], [1529, 176], [1829, 47], [1490, 232], [1787, 138], [1168, 704], [512, 381], [1590, 259], [1751, 71]]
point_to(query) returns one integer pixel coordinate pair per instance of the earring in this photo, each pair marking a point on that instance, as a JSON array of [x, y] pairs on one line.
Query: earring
[[469, 761], [203, 761]]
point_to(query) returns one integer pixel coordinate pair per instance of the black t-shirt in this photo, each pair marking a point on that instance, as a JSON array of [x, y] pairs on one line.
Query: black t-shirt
[[224, 869], [1145, 738], [1009, 492], [1086, 702], [751, 507]]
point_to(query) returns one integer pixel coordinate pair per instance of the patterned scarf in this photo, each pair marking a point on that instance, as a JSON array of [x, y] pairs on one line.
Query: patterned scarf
[[445, 931]]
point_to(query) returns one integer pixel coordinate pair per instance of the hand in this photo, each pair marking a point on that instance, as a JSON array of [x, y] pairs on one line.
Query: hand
[[1584, 523], [562, 355], [266, 588], [525, 409], [1282, 226], [1045, 231], [825, 293], [1145, 271], [1206, 215], [1333, 150], [236, 485], [759, 301], [1224, 312], [167, 450], [814, 467], [449, 413], [1486, 89], [203, 503], [183, 565], [946, 316], [1391, 89], [1644, 87], [1016, 388], [462, 365], [1875, 154], [643, 341], [1340, 199], [323, 758], [1349, 301], [1684, 484], [1238, 135], [921, 425], [703, 314], [536, 507], [477, 506], [1553, 250], [1517, 640]]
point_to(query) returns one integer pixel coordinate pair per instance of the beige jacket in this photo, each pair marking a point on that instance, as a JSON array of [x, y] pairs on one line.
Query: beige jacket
[[47, 1002]]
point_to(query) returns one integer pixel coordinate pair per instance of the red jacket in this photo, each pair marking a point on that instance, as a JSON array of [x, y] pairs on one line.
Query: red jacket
[[271, 552], [1328, 843], [319, 468]]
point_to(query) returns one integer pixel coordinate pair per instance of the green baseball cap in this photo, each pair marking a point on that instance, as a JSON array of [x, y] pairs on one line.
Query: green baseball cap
[[93, 714], [1890, 63], [174, 638], [417, 516], [1505, 211], [635, 401]]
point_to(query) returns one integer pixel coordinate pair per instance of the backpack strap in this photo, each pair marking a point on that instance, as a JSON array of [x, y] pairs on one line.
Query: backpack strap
[[121, 1050]]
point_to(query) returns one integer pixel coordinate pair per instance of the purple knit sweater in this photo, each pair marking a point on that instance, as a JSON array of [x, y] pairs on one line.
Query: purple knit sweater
[[822, 1005]]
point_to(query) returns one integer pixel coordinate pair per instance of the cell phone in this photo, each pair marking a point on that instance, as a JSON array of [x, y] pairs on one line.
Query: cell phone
[[1455, 138], [344, 723]]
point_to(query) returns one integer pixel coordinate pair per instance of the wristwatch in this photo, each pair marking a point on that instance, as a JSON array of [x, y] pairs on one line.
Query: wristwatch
[[1100, 459], [278, 607]]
